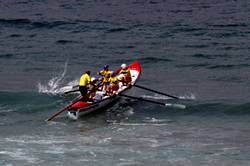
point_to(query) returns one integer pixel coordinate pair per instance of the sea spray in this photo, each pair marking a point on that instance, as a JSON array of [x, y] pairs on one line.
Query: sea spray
[[54, 85]]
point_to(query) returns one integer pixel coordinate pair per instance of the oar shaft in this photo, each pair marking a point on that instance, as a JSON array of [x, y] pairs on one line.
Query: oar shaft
[[155, 91], [180, 106], [58, 112], [65, 108], [75, 86], [140, 98], [71, 91]]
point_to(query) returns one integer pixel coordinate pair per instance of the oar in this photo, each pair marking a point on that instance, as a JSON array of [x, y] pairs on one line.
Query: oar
[[75, 86], [61, 110], [152, 90], [71, 91], [181, 106]]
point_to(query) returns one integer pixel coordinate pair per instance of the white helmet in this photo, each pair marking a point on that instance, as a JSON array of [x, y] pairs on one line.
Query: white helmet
[[92, 78], [124, 66]]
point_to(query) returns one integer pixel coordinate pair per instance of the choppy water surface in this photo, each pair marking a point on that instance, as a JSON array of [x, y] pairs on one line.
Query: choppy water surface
[[197, 50]]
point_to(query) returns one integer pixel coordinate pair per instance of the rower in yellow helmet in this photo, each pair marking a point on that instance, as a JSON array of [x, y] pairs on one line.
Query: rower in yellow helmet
[[105, 73], [105, 82]]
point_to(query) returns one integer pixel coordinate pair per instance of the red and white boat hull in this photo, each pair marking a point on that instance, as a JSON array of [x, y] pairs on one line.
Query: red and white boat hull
[[81, 107]]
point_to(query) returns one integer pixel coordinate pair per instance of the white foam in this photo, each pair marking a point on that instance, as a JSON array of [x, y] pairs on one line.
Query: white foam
[[105, 140], [55, 150], [188, 97], [20, 154], [4, 110], [140, 124], [88, 160], [93, 153], [154, 120], [129, 111], [34, 140]]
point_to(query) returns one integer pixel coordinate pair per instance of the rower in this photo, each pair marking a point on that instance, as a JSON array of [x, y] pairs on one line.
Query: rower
[[113, 84], [105, 73], [93, 87], [124, 75], [84, 82], [105, 82]]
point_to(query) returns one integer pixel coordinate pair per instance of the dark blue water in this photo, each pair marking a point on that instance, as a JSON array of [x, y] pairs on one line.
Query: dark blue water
[[197, 50]]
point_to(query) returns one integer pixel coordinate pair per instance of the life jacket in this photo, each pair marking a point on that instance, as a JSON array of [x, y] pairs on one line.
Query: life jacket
[[106, 79], [124, 71], [125, 75], [93, 86], [104, 72], [84, 80], [113, 80]]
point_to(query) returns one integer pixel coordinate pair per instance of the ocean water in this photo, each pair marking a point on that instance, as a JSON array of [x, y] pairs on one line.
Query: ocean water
[[194, 49]]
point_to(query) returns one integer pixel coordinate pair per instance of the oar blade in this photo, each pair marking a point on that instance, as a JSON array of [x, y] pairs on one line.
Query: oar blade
[[155, 91], [179, 106]]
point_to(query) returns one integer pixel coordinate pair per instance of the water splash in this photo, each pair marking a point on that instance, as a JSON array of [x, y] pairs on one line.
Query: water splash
[[54, 85]]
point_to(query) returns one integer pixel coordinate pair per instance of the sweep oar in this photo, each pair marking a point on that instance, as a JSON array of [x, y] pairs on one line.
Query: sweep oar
[[58, 112], [62, 110], [71, 91], [181, 106], [152, 90]]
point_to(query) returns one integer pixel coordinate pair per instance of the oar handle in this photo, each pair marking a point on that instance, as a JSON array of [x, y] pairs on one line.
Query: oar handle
[[155, 91]]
